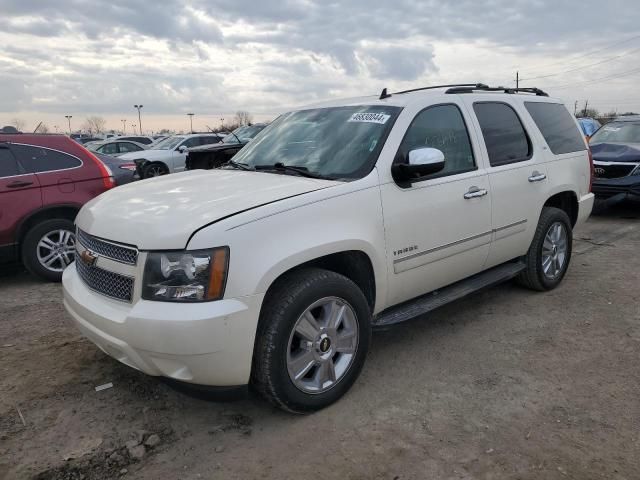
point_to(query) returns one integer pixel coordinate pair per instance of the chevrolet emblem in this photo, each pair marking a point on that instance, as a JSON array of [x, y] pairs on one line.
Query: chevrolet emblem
[[88, 258]]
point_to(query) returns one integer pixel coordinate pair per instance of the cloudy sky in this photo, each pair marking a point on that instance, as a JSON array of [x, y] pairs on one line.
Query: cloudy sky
[[82, 57]]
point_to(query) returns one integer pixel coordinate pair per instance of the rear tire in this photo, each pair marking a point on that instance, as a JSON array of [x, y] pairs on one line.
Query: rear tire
[[549, 255], [48, 248], [312, 340], [154, 170]]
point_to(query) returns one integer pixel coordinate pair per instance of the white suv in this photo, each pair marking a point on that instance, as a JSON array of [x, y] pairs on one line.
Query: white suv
[[336, 219], [168, 155]]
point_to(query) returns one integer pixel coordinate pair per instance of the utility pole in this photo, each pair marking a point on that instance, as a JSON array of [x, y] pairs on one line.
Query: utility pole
[[124, 126], [139, 118], [69, 117], [517, 79], [190, 115]]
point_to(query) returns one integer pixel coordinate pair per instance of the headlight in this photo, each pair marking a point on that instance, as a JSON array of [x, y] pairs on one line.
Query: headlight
[[188, 276]]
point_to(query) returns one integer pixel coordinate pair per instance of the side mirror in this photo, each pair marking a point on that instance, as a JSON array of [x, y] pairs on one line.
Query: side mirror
[[420, 162], [182, 148]]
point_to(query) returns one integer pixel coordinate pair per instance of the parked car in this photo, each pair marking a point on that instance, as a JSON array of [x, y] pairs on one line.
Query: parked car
[[44, 180], [123, 171], [168, 155], [588, 126], [116, 148], [212, 156], [616, 158], [141, 139], [338, 218]]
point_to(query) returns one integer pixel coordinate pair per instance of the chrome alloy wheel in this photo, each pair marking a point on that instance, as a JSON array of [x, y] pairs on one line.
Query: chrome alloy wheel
[[554, 250], [56, 250], [322, 345]]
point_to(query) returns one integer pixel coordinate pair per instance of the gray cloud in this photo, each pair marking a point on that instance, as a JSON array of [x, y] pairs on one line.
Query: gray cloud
[[227, 54]]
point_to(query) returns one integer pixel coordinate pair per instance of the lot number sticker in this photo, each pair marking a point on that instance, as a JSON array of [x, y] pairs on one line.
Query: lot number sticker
[[380, 118]]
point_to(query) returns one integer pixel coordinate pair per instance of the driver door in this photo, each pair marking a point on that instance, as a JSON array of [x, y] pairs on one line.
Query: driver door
[[438, 227]]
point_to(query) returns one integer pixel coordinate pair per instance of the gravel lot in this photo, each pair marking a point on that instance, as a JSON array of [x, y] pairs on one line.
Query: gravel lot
[[505, 384]]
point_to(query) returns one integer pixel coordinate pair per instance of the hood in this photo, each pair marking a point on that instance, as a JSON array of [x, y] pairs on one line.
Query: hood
[[616, 152], [147, 154], [163, 212]]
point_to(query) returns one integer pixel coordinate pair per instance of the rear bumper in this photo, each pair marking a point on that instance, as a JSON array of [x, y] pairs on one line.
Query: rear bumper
[[206, 343], [608, 187]]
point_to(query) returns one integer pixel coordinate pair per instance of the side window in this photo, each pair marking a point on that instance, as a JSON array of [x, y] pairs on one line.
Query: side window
[[8, 164], [191, 142], [143, 140], [109, 149], [441, 127], [37, 159], [557, 127], [208, 140], [505, 137], [129, 147]]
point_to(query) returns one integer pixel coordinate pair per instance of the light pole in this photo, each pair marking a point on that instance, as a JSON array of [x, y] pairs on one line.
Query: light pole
[[139, 118], [56, 127], [124, 126], [133, 126], [69, 117], [190, 115], [221, 122]]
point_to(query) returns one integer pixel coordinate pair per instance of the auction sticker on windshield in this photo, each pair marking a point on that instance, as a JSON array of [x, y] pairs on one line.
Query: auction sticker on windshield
[[370, 118]]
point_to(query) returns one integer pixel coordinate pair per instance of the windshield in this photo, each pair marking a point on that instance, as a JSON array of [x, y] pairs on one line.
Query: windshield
[[243, 133], [168, 143], [337, 142], [618, 132]]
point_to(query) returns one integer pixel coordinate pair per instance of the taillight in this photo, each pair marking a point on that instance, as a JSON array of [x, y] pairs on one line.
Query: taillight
[[128, 166], [591, 170], [105, 172]]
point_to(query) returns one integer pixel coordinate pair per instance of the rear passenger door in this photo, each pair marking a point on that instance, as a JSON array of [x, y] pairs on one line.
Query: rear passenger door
[[57, 171], [19, 196], [517, 176]]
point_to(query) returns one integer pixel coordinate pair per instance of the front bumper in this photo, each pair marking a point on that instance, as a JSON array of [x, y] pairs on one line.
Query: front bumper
[[608, 187], [207, 343]]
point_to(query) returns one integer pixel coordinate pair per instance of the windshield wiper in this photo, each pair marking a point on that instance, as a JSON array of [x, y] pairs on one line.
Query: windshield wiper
[[238, 165], [302, 171]]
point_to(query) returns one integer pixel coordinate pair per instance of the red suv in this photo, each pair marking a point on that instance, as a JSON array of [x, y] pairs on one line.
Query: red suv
[[44, 180]]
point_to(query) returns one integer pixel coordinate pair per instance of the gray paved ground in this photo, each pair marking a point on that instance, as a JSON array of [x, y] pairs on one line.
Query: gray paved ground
[[505, 384]]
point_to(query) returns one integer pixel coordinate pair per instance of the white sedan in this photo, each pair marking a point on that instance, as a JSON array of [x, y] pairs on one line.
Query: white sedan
[[168, 155]]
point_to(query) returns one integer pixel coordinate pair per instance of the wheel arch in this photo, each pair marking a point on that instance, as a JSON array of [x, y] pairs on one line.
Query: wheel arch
[[565, 200], [67, 211], [356, 265]]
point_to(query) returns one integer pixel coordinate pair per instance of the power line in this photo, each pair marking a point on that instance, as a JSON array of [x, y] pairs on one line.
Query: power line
[[583, 67], [561, 62], [595, 80]]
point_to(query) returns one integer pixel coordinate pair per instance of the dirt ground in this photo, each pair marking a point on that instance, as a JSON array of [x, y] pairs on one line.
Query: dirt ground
[[505, 384]]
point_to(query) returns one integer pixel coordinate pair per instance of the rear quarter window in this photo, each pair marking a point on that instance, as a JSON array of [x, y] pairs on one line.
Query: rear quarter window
[[38, 159], [557, 127]]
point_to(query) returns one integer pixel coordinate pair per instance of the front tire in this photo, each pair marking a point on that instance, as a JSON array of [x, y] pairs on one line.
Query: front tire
[[48, 248], [312, 340], [549, 255]]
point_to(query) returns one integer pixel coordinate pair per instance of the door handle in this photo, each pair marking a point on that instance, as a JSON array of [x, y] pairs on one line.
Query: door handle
[[536, 176], [475, 192], [19, 184]]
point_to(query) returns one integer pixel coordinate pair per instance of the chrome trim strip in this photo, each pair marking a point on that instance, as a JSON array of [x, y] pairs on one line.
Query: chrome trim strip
[[441, 247], [458, 242], [613, 164]]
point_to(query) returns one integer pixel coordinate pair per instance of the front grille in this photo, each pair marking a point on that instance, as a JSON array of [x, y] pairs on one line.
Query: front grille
[[107, 283], [119, 253], [613, 171]]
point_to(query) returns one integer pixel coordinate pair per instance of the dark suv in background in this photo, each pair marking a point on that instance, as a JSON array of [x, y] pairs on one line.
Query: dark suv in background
[[44, 180]]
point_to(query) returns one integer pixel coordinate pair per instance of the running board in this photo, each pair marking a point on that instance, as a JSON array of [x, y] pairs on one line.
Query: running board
[[426, 303]]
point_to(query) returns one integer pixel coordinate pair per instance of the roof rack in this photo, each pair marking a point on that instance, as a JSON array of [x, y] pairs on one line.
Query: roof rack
[[485, 88], [384, 93], [468, 88]]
